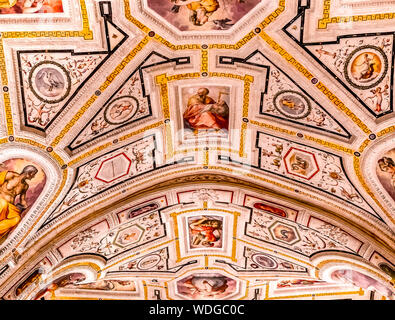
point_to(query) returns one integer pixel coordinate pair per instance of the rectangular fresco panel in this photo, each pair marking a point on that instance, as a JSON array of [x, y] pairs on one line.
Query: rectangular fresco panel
[[386, 172], [205, 111], [30, 6], [189, 15], [205, 232], [21, 183]]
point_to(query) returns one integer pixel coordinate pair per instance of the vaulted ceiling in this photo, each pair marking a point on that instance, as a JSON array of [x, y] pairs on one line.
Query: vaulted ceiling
[[206, 149]]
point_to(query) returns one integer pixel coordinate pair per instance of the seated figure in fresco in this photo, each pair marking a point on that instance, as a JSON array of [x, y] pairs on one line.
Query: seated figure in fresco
[[388, 165], [203, 112], [206, 231], [366, 68], [13, 184], [201, 10]]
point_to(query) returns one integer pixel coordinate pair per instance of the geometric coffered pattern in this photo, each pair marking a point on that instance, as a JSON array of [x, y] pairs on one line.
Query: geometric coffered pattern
[[193, 150]]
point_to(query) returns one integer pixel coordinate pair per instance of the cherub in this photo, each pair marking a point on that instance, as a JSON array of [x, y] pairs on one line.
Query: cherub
[[378, 94]]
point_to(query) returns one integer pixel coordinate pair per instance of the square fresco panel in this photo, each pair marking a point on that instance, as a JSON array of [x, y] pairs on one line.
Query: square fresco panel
[[205, 111], [205, 232]]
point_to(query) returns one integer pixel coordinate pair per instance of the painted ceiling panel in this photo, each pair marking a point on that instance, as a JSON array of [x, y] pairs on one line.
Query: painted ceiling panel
[[197, 149]]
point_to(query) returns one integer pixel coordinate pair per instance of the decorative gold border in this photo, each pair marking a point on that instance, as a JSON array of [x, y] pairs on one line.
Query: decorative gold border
[[86, 33], [331, 96], [102, 88], [327, 19]]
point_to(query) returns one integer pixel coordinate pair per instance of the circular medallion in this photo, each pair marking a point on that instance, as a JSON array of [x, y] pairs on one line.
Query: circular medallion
[[292, 104], [49, 81], [366, 67], [149, 262], [264, 261], [121, 110]]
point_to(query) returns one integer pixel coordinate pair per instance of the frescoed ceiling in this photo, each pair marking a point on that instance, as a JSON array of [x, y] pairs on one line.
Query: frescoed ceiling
[[205, 149]]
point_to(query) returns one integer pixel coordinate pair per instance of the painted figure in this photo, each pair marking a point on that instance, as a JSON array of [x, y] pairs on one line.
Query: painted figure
[[65, 281], [121, 110], [34, 6], [223, 24], [321, 51], [378, 94], [366, 69], [298, 282], [206, 286], [12, 185], [205, 231], [387, 164], [201, 10], [274, 210], [108, 285], [34, 278], [361, 280], [299, 165], [202, 15], [203, 112]]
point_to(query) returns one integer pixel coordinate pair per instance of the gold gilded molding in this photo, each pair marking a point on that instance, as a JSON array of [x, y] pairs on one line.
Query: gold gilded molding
[[386, 131], [330, 145], [248, 37], [274, 15], [176, 183], [109, 144], [102, 88], [204, 61], [6, 96], [85, 33], [8, 113], [128, 16], [185, 151], [174, 47], [272, 127], [327, 19], [320, 86]]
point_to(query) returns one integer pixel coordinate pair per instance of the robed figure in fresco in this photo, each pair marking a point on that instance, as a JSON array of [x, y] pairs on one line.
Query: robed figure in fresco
[[203, 112], [206, 231], [387, 164], [12, 185]]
